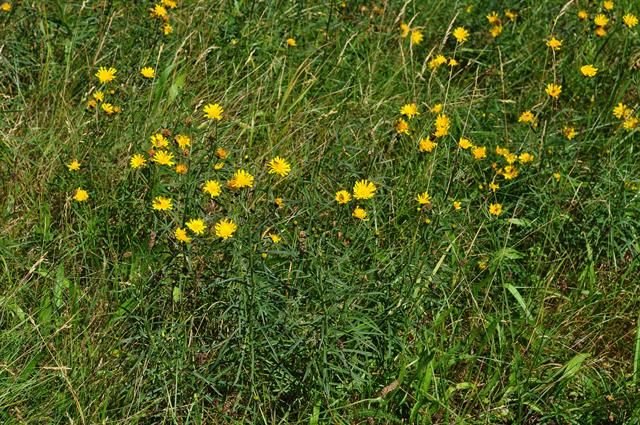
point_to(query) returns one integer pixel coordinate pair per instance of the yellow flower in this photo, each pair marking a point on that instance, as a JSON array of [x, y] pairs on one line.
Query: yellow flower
[[569, 133], [364, 189], [525, 158], [427, 145], [91, 104], [511, 15], [493, 18], [279, 202], [81, 195], [465, 143], [279, 166], [495, 209], [423, 198], [163, 158], [437, 62], [553, 90], [608, 5], [73, 165], [108, 108], [181, 235], [343, 197], [479, 152], [240, 180], [359, 213], [588, 70], [218, 165], [148, 72], [461, 34], [402, 127], [182, 168], [453, 62], [457, 205], [630, 123], [221, 153], [442, 125], [510, 172], [213, 111], [170, 4], [622, 111], [5, 7], [554, 44], [106, 75], [98, 96], [630, 20], [159, 11], [167, 28], [159, 141], [527, 117], [225, 228], [183, 141], [583, 15], [416, 37], [276, 239], [437, 108], [495, 31], [600, 20], [409, 110], [600, 31], [291, 42], [404, 30], [160, 203], [137, 161], [196, 225], [212, 187], [494, 186]]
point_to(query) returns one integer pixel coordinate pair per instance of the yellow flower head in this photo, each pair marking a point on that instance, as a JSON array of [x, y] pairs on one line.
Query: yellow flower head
[[527, 117], [495, 31], [630, 123], [291, 42], [160, 203], [148, 72], [212, 187], [553, 90], [442, 125], [106, 75], [404, 30], [225, 228], [159, 11], [343, 197], [588, 70], [137, 161], [218, 165], [607, 5], [181, 235], [479, 152], [630, 20], [73, 165], [279, 166], [511, 15], [493, 18], [108, 108], [510, 172], [183, 141], [276, 239], [423, 198], [525, 158], [213, 111], [427, 145], [171, 4], [240, 179], [402, 127], [569, 133], [196, 225], [158, 141], [622, 111], [601, 20], [359, 213], [364, 189], [554, 44], [279, 202], [438, 61], [460, 34], [465, 143], [80, 195], [437, 108], [167, 28], [5, 7], [583, 15], [457, 205], [163, 158], [416, 37], [182, 168], [409, 110], [98, 96], [222, 153], [495, 209]]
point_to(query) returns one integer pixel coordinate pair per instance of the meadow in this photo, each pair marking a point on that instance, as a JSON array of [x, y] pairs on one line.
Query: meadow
[[319, 212]]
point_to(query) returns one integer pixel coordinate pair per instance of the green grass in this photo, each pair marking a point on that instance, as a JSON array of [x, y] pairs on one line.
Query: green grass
[[530, 317]]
